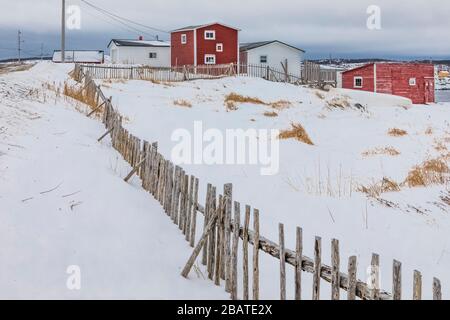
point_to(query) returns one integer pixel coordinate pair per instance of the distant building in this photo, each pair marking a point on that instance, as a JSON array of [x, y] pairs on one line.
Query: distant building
[[274, 54], [80, 56], [207, 44], [410, 80], [150, 53]]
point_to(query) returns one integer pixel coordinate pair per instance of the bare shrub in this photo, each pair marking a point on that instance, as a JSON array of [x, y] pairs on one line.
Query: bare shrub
[[296, 132], [395, 132]]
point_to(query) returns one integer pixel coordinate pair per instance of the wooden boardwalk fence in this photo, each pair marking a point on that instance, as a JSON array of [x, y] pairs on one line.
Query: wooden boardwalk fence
[[310, 73], [223, 235]]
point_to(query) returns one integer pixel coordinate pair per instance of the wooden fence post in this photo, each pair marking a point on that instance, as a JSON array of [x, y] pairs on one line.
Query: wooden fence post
[[212, 236], [317, 268], [335, 275], [245, 253], [234, 261], [375, 277], [298, 263], [417, 286], [188, 206], [193, 216], [207, 213], [256, 255], [219, 246], [437, 294], [282, 262], [397, 280], [351, 291], [228, 190]]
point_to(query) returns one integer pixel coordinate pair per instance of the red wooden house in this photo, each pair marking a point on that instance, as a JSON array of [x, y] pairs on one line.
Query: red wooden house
[[213, 43], [411, 80]]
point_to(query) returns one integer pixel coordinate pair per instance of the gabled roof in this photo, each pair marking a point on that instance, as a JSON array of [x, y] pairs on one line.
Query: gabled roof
[[138, 43], [191, 28], [392, 63], [254, 45]]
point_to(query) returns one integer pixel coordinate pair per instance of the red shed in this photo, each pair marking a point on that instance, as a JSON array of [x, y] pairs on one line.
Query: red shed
[[213, 43], [410, 80]]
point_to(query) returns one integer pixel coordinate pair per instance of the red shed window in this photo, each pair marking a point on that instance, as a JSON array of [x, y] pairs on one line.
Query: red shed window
[[357, 82]]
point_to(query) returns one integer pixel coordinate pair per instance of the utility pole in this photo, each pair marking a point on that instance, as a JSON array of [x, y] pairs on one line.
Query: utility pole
[[19, 45], [63, 32], [42, 51]]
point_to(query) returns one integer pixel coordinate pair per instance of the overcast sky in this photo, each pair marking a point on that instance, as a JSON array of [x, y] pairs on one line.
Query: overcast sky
[[414, 28]]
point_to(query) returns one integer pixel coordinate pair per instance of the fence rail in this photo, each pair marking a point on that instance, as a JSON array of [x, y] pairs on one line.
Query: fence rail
[[310, 73], [218, 246]]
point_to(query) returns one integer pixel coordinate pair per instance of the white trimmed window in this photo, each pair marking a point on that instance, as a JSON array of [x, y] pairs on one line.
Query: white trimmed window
[[183, 38], [210, 35], [210, 59], [152, 55], [412, 82], [219, 47], [357, 82], [263, 59]]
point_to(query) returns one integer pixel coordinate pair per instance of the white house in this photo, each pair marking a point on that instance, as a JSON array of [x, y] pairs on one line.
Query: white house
[[149, 53], [274, 54]]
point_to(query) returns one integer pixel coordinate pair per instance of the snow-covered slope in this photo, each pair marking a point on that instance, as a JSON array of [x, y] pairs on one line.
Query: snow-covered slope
[[63, 203], [126, 247], [317, 186]]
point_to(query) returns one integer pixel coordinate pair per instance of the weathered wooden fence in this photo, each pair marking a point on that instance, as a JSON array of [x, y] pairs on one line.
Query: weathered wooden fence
[[218, 246], [310, 73]]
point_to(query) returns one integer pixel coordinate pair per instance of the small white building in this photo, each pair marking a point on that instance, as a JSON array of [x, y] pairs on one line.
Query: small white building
[[143, 52], [273, 54]]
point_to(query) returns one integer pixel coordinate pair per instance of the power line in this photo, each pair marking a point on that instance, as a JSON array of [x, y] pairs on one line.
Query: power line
[[122, 19], [111, 22]]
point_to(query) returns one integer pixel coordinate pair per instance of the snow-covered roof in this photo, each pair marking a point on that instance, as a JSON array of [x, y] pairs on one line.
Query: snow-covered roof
[[139, 43], [195, 27], [254, 45]]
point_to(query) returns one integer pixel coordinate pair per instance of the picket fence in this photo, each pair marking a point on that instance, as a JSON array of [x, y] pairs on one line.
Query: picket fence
[[218, 246], [310, 73]]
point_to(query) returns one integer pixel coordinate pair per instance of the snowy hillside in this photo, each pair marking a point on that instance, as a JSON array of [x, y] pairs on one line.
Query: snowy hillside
[[318, 187], [63, 201]]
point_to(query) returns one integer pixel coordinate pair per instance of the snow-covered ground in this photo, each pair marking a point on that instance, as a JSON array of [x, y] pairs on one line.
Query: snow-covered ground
[[126, 247], [316, 187], [63, 203]]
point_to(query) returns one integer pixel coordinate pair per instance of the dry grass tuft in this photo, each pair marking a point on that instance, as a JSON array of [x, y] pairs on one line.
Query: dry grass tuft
[[272, 114], [429, 131], [320, 95], [77, 93], [389, 151], [237, 98], [296, 132], [182, 103], [395, 132], [376, 189], [281, 104], [339, 102], [434, 171]]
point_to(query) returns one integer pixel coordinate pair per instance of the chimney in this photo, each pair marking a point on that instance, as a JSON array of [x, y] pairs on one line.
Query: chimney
[[141, 38]]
